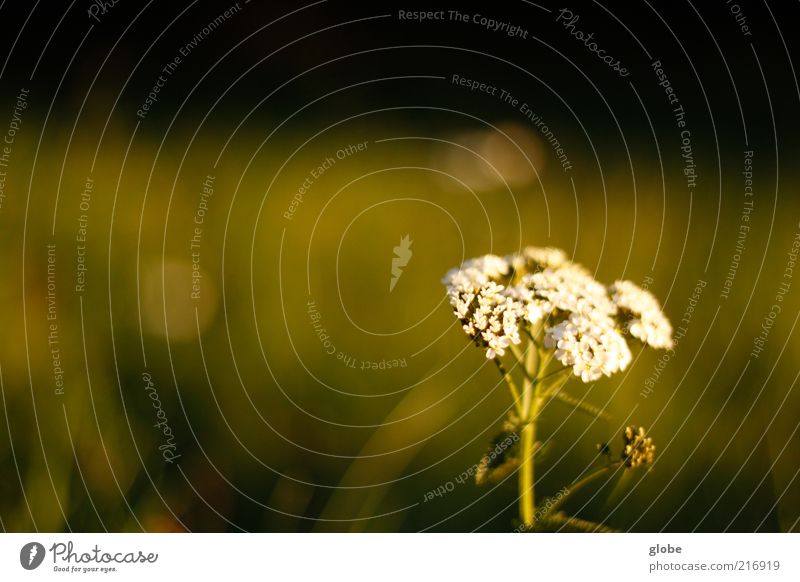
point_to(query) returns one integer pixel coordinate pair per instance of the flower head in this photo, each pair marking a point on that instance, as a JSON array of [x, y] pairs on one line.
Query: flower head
[[478, 271], [497, 298], [533, 259], [590, 344], [569, 288], [642, 314], [487, 314]]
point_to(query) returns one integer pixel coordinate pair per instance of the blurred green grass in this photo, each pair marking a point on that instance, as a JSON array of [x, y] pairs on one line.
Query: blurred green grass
[[269, 425]]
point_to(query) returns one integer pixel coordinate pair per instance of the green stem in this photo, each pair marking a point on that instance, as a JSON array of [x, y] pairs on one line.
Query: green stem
[[579, 485], [541, 366], [553, 374], [511, 386], [577, 404], [527, 500], [531, 402], [531, 363]]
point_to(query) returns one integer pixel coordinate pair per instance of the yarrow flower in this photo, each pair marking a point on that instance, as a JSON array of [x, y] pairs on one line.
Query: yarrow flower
[[497, 298], [589, 343], [533, 259], [478, 271], [638, 448], [645, 320], [571, 325], [569, 288], [488, 315]]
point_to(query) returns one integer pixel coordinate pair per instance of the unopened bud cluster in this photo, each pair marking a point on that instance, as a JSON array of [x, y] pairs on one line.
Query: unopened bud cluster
[[638, 449]]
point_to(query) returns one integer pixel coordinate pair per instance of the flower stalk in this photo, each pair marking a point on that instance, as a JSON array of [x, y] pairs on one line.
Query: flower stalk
[[529, 416]]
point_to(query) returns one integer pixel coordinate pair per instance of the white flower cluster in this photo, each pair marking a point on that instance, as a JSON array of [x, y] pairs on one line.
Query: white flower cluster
[[646, 321], [494, 297], [569, 288], [488, 314], [590, 343], [533, 259]]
